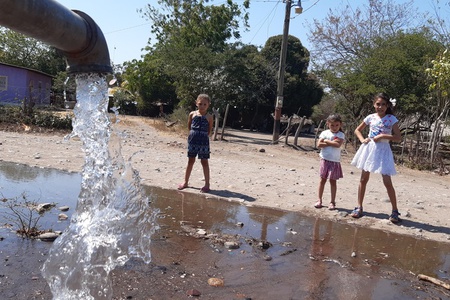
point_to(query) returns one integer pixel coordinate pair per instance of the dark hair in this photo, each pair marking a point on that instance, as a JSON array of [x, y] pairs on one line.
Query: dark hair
[[334, 118], [203, 96], [385, 97]]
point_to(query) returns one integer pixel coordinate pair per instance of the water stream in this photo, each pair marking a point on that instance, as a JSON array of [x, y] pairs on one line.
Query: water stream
[[113, 221]]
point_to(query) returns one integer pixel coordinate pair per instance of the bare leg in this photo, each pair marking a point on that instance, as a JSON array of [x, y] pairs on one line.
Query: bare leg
[[321, 188], [205, 165], [390, 190], [333, 187], [362, 187], [188, 172]]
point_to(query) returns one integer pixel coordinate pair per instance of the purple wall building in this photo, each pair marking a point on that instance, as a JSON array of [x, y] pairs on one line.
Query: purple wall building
[[19, 84]]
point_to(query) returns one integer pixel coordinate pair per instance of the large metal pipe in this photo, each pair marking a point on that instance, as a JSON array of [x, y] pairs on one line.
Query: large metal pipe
[[73, 33]]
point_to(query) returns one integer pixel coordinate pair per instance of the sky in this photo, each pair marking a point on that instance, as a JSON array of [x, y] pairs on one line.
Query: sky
[[126, 32]]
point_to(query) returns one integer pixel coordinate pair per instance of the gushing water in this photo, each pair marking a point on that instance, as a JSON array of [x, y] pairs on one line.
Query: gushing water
[[113, 221]]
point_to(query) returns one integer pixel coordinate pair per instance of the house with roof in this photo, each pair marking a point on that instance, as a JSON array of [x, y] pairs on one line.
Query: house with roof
[[19, 85]]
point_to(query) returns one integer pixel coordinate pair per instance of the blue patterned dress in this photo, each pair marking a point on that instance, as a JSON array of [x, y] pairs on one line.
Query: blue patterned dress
[[198, 140]]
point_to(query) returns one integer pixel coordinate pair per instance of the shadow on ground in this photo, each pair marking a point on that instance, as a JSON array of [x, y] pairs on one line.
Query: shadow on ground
[[404, 222]]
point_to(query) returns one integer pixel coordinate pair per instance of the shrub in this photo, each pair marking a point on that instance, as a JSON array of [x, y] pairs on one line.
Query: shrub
[[23, 214], [46, 118]]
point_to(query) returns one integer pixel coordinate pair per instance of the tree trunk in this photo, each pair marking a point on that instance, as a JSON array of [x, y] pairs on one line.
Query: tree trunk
[[299, 128], [224, 121], [216, 124], [287, 130]]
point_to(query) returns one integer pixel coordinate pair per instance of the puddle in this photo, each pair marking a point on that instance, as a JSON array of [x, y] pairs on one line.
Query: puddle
[[42, 185], [308, 259]]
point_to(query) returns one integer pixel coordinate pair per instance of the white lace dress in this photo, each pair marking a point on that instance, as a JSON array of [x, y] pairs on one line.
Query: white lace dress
[[377, 157]]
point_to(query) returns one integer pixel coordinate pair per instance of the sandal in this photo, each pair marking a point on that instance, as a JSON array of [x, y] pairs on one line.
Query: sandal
[[318, 204], [332, 206], [394, 216], [182, 186], [357, 212], [204, 189]]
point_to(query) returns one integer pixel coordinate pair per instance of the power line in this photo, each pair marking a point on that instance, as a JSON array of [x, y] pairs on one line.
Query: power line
[[306, 9], [265, 20], [128, 28]]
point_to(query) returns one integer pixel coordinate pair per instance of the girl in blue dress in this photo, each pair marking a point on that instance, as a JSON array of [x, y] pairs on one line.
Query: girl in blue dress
[[374, 154], [200, 124]]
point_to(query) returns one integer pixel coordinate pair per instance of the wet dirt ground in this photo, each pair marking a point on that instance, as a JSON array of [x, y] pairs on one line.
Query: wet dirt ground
[[281, 255]]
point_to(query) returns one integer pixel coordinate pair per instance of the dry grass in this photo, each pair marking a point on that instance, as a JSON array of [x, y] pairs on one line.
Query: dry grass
[[167, 126]]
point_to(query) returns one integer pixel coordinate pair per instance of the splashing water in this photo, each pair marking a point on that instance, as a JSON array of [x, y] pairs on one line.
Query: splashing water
[[113, 221]]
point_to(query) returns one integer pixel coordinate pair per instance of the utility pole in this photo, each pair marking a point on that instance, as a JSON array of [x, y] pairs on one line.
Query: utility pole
[[281, 69]]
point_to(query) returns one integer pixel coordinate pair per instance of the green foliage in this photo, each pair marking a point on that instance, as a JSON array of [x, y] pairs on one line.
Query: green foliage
[[148, 83], [301, 89], [51, 120], [325, 108], [60, 82], [397, 67], [179, 115], [19, 50], [194, 23], [248, 83], [440, 88], [192, 56], [39, 117], [440, 74], [191, 36], [373, 49], [125, 102]]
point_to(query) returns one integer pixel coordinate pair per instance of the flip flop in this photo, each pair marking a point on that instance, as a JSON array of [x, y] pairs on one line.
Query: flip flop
[[182, 186], [332, 206], [204, 189], [318, 204]]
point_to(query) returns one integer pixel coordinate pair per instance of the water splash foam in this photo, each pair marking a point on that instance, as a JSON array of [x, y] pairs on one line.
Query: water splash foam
[[113, 220]]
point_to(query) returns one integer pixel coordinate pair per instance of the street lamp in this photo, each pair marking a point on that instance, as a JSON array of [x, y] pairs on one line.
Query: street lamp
[[281, 70]]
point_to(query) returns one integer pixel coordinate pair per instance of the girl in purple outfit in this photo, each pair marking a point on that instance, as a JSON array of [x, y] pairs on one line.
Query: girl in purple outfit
[[330, 142]]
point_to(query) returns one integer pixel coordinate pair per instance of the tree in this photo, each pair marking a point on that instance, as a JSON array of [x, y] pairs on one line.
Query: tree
[[17, 49], [437, 24], [397, 67], [440, 86], [371, 49], [302, 89], [191, 36], [147, 80], [345, 34], [248, 84]]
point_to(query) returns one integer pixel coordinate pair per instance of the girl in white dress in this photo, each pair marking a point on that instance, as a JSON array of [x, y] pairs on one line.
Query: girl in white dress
[[375, 155]]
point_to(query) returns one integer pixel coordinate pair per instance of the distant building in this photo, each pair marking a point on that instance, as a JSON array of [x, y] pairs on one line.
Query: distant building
[[19, 84]]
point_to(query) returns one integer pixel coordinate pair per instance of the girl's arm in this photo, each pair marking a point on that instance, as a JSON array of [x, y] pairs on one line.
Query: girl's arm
[[337, 143], [190, 119], [359, 135], [396, 135], [321, 143]]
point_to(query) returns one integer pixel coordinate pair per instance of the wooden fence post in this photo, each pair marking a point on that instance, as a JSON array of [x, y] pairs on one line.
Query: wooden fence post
[[216, 124], [287, 130], [317, 133], [299, 128], [224, 121]]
